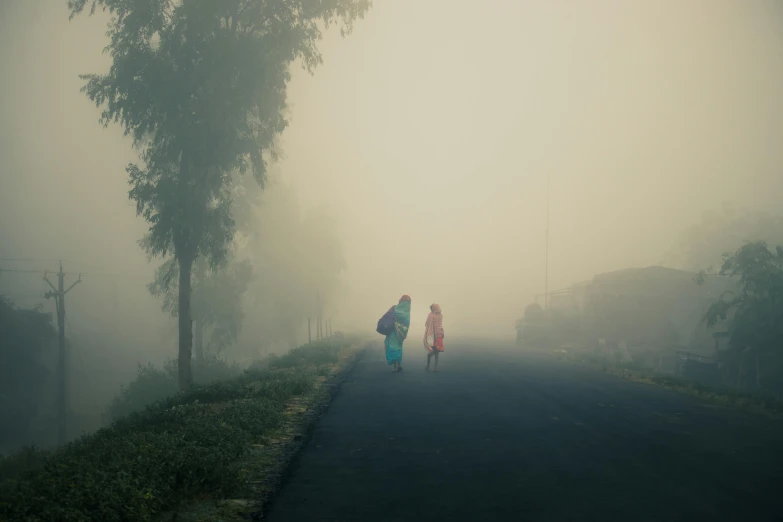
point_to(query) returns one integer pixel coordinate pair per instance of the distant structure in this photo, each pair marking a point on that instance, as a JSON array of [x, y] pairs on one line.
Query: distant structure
[[653, 315]]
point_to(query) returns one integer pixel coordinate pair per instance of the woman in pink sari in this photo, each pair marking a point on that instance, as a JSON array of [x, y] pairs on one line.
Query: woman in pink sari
[[433, 329]]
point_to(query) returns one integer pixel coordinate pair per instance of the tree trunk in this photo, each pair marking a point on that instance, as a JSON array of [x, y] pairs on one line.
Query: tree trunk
[[198, 339], [185, 326]]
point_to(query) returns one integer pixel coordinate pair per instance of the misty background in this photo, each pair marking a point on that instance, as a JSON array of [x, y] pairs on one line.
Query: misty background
[[424, 141]]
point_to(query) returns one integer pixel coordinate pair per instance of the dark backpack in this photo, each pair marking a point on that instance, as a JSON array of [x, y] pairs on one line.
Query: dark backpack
[[386, 323]]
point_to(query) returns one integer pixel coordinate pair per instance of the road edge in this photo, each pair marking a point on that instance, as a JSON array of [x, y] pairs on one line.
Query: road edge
[[302, 432]]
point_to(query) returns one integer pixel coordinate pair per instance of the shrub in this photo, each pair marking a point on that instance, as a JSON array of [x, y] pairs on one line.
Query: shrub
[[177, 448], [316, 354], [153, 384]]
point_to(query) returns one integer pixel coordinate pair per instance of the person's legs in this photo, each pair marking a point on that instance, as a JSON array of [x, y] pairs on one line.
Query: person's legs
[[429, 358], [437, 354]]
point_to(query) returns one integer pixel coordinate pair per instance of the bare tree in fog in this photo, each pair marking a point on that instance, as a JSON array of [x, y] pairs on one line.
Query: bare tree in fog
[[201, 88]]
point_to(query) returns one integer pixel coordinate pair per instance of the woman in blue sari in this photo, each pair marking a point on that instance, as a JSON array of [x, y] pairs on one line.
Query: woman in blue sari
[[393, 343]]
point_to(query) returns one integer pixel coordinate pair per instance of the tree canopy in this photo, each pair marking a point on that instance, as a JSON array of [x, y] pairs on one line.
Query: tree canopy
[[757, 308], [755, 311], [200, 86], [217, 302], [24, 335]]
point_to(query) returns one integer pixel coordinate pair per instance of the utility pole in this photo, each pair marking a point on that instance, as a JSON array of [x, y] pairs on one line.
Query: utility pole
[[59, 298], [309, 335], [115, 305], [546, 262], [320, 324]]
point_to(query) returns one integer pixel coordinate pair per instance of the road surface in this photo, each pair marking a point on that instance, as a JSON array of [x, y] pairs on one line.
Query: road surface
[[502, 435]]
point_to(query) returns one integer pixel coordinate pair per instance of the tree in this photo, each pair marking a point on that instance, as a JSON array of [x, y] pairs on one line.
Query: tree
[[216, 303], [532, 328], [24, 336], [200, 85], [755, 311]]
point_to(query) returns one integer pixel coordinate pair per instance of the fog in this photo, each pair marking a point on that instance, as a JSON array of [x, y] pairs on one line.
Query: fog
[[428, 135]]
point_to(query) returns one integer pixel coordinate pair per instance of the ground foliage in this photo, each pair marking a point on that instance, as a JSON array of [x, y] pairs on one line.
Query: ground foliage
[[153, 383], [170, 453]]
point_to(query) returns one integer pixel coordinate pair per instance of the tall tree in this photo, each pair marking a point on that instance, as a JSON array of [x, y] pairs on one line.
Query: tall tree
[[755, 311], [216, 304], [200, 85], [24, 336]]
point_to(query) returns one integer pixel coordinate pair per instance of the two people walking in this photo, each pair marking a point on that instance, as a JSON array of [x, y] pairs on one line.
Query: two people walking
[[395, 324]]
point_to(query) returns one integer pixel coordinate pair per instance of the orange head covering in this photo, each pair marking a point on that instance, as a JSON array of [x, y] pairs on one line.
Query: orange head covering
[[405, 298]]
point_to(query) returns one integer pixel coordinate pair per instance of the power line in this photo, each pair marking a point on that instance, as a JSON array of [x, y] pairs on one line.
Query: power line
[[100, 274], [115, 274], [64, 261], [27, 259], [19, 296], [40, 259], [83, 264]]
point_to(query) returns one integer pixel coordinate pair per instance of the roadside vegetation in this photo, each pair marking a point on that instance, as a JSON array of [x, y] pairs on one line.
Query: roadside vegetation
[[723, 395], [637, 323], [160, 457]]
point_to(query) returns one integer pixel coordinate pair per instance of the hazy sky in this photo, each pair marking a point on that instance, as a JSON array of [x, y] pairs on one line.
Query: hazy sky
[[430, 132]]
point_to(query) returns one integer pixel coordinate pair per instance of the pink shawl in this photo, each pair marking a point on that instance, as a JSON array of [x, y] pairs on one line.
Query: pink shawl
[[434, 326]]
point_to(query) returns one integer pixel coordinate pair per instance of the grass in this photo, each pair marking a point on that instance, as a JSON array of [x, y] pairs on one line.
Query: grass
[[723, 396], [211, 452], [718, 395]]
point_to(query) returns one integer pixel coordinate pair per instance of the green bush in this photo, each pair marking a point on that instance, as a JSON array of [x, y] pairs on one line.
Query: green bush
[[152, 460], [26, 337], [24, 460], [153, 384], [315, 354]]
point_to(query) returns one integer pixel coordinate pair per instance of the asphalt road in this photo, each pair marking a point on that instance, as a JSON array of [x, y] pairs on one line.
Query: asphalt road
[[502, 435]]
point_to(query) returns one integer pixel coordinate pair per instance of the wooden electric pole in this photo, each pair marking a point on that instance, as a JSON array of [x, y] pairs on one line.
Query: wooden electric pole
[[62, 386]]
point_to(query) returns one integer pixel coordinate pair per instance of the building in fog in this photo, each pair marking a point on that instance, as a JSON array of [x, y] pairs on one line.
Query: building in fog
[[652, 316]]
